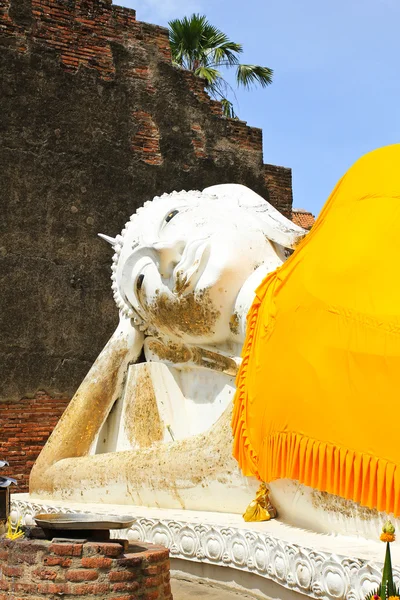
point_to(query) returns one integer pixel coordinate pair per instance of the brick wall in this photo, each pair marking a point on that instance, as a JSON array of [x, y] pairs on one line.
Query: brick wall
[[96, 120], [24, 429], [83, 33], [39, 569], [279, 183]]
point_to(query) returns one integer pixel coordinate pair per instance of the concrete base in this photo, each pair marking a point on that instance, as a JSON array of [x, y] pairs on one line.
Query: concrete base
[[219, 582], [270, 559], [186, 588]]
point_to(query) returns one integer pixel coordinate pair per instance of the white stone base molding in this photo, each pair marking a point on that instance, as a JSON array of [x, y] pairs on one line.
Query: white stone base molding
[[331, 567]]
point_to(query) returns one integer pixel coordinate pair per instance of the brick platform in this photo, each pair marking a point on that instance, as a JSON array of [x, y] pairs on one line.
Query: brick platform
[[38, 569]]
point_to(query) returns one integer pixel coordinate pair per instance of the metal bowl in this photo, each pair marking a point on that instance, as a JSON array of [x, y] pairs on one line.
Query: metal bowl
[[79, 521]]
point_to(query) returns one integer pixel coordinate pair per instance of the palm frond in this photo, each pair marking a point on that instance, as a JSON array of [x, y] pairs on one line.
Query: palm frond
[[209, 74], [216, 38], [202, 48], [225, 55], [218, 89], [249, 75], [186, 40], [195, 42], [227, 109]]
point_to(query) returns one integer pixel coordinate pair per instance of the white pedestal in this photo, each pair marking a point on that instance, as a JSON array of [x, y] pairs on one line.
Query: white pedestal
[[331, 567]]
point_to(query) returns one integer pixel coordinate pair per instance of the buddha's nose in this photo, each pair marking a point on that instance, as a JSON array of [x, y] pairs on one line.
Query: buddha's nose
[[169, 255]]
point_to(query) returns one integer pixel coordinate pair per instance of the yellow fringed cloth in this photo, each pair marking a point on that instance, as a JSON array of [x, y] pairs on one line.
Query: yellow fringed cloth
[[318, 392]]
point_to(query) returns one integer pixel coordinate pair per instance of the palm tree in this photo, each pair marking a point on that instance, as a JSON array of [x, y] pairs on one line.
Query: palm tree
[[200, 47]]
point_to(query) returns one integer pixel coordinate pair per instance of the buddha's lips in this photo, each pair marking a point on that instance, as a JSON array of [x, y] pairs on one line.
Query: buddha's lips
[[191, 266]]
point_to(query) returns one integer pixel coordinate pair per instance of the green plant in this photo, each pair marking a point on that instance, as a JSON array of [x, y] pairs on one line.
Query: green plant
[[387, 589], [202, 48]]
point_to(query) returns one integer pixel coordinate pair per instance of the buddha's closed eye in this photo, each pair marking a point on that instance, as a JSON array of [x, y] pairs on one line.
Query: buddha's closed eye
[[171, 215]]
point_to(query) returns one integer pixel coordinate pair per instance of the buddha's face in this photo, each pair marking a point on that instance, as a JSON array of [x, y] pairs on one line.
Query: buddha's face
[[183, 261]]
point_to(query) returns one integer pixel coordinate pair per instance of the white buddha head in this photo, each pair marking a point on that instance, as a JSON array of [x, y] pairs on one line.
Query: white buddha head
[[183, 258]]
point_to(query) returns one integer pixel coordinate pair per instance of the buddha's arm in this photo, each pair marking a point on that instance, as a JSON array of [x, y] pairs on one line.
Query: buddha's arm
[[188, 473], [183, 356], [77, 429]]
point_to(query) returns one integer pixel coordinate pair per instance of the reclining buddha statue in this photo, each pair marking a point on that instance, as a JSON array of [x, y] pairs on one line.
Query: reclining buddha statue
[[206, 295]]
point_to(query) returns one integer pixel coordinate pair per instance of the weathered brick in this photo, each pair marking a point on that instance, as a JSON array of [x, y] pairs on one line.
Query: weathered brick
[[150, 582], [125, 586], [123, 575], [11, 571], [130, 560], [24, 557], [160, 556], [53, 588], [153, 595], [48, 574], [53, 561], [93, 589], [165, 566], [26, 588], [66, 549], [108, 549], [152, 570], [96, 562], [81, 575]]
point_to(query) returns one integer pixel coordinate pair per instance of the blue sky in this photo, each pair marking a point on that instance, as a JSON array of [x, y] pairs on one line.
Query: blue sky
[[336, 90]]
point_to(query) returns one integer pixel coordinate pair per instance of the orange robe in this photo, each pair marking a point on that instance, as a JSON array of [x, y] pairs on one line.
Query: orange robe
[[318, 393]]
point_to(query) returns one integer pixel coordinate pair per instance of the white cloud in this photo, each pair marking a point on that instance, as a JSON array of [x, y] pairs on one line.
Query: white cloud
[[160, 12]]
